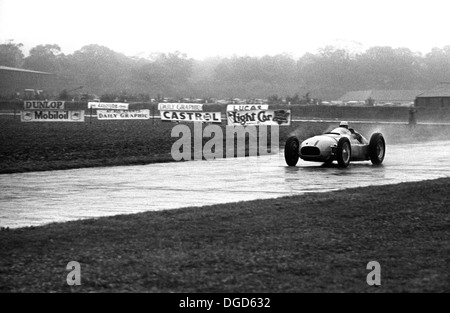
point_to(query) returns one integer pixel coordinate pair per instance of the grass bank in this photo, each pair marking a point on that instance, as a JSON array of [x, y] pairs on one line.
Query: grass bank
[[57, 146], [308, 243]]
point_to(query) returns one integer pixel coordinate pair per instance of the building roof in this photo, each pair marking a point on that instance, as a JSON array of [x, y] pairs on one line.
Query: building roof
[[441, 90], [381, 95], [7, 68]]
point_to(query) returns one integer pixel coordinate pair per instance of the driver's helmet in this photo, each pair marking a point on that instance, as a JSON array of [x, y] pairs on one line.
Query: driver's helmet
[[344, 124]]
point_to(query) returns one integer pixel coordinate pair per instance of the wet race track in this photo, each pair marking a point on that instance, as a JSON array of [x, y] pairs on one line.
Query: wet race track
[[42, 197]]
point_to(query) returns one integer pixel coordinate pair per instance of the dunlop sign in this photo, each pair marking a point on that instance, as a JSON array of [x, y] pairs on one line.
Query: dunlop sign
[[108, 106], [123, 114], [43, 105], [52, 116], [208, 117], [259, 117]]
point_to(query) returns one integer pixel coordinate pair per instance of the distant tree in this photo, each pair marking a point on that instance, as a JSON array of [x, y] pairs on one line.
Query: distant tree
[[11, 54], [306, 98], [274, 99], [329, 71], [108, 97], [438, 64], [100, 69], [293, 100], [64, 95], [166, 73], [46, 58]]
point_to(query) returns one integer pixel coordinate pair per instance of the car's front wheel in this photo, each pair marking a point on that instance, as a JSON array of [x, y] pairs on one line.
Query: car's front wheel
[[291, 151], [344, 152]]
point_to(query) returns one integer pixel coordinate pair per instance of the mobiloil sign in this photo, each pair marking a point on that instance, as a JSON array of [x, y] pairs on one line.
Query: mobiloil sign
[[52, 116]]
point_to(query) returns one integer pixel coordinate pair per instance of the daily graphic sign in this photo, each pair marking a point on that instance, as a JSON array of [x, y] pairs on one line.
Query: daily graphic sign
[[108, 105], [247, 107], [43, 105], [180, 107], [52, 116], [259, 117], [207, 117], [123, 114]]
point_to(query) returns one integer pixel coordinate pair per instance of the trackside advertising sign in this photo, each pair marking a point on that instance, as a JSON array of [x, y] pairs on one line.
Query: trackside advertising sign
[[108, 105], [207, 117], [52, 116], [43, 105], [180, 107], [247, 107], [123, 114], [259, 117]]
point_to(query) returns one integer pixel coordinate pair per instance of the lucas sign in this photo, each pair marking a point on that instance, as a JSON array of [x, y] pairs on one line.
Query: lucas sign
[[123, 114], [108, 106], [247, 107], [43, 105], [259, 117], [52, 116], [207, 117]]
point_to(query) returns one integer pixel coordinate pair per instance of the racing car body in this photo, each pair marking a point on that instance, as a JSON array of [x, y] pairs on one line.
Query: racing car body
[[341, 144]]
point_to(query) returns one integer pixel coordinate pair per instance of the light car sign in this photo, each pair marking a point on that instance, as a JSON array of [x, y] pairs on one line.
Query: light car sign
[[52, 116], [180, 107], [108, 105], [247, 107], [208, 117], [43, 105], [123, 114], [259, 117]]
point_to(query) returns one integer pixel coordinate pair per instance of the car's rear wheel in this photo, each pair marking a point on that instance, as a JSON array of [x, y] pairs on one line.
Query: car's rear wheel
[[344, 152], [291, 151], [377, 148]]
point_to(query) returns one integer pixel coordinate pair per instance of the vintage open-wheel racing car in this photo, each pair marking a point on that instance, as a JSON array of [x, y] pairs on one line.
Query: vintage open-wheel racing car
[[342, 144]]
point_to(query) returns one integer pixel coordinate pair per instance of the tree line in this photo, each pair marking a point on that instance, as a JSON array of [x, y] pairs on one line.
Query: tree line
[[326, 74]]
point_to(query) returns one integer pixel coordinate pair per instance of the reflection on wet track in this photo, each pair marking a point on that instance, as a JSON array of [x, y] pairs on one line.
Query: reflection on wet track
[[42, 197]]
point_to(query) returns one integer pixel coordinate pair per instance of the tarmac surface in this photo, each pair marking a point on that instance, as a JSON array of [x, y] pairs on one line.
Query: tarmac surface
[[36, 198]]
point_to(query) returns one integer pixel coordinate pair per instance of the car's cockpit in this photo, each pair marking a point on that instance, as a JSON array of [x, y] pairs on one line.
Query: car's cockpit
[[339, 131], [354, 136]]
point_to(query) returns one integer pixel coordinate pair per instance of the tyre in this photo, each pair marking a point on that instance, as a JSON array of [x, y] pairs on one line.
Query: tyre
[[377, 148], [344, 152], [291, 151]]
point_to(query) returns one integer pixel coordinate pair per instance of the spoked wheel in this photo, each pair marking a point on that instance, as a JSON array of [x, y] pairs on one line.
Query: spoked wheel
[[291, 151], [344, 152], [377, 148]]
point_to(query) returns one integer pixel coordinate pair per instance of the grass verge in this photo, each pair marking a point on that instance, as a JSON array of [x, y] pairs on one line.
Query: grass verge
[[308, 243]]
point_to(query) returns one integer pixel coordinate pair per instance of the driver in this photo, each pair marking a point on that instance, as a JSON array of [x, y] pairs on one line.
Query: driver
[[355, 134], [344, 124]]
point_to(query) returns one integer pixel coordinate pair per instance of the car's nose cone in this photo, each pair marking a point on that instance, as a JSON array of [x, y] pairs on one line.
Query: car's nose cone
[[317, 148], [310, 151]]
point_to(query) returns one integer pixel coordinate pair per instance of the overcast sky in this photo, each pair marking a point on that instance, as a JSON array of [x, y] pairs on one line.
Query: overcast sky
[[203, 28]]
